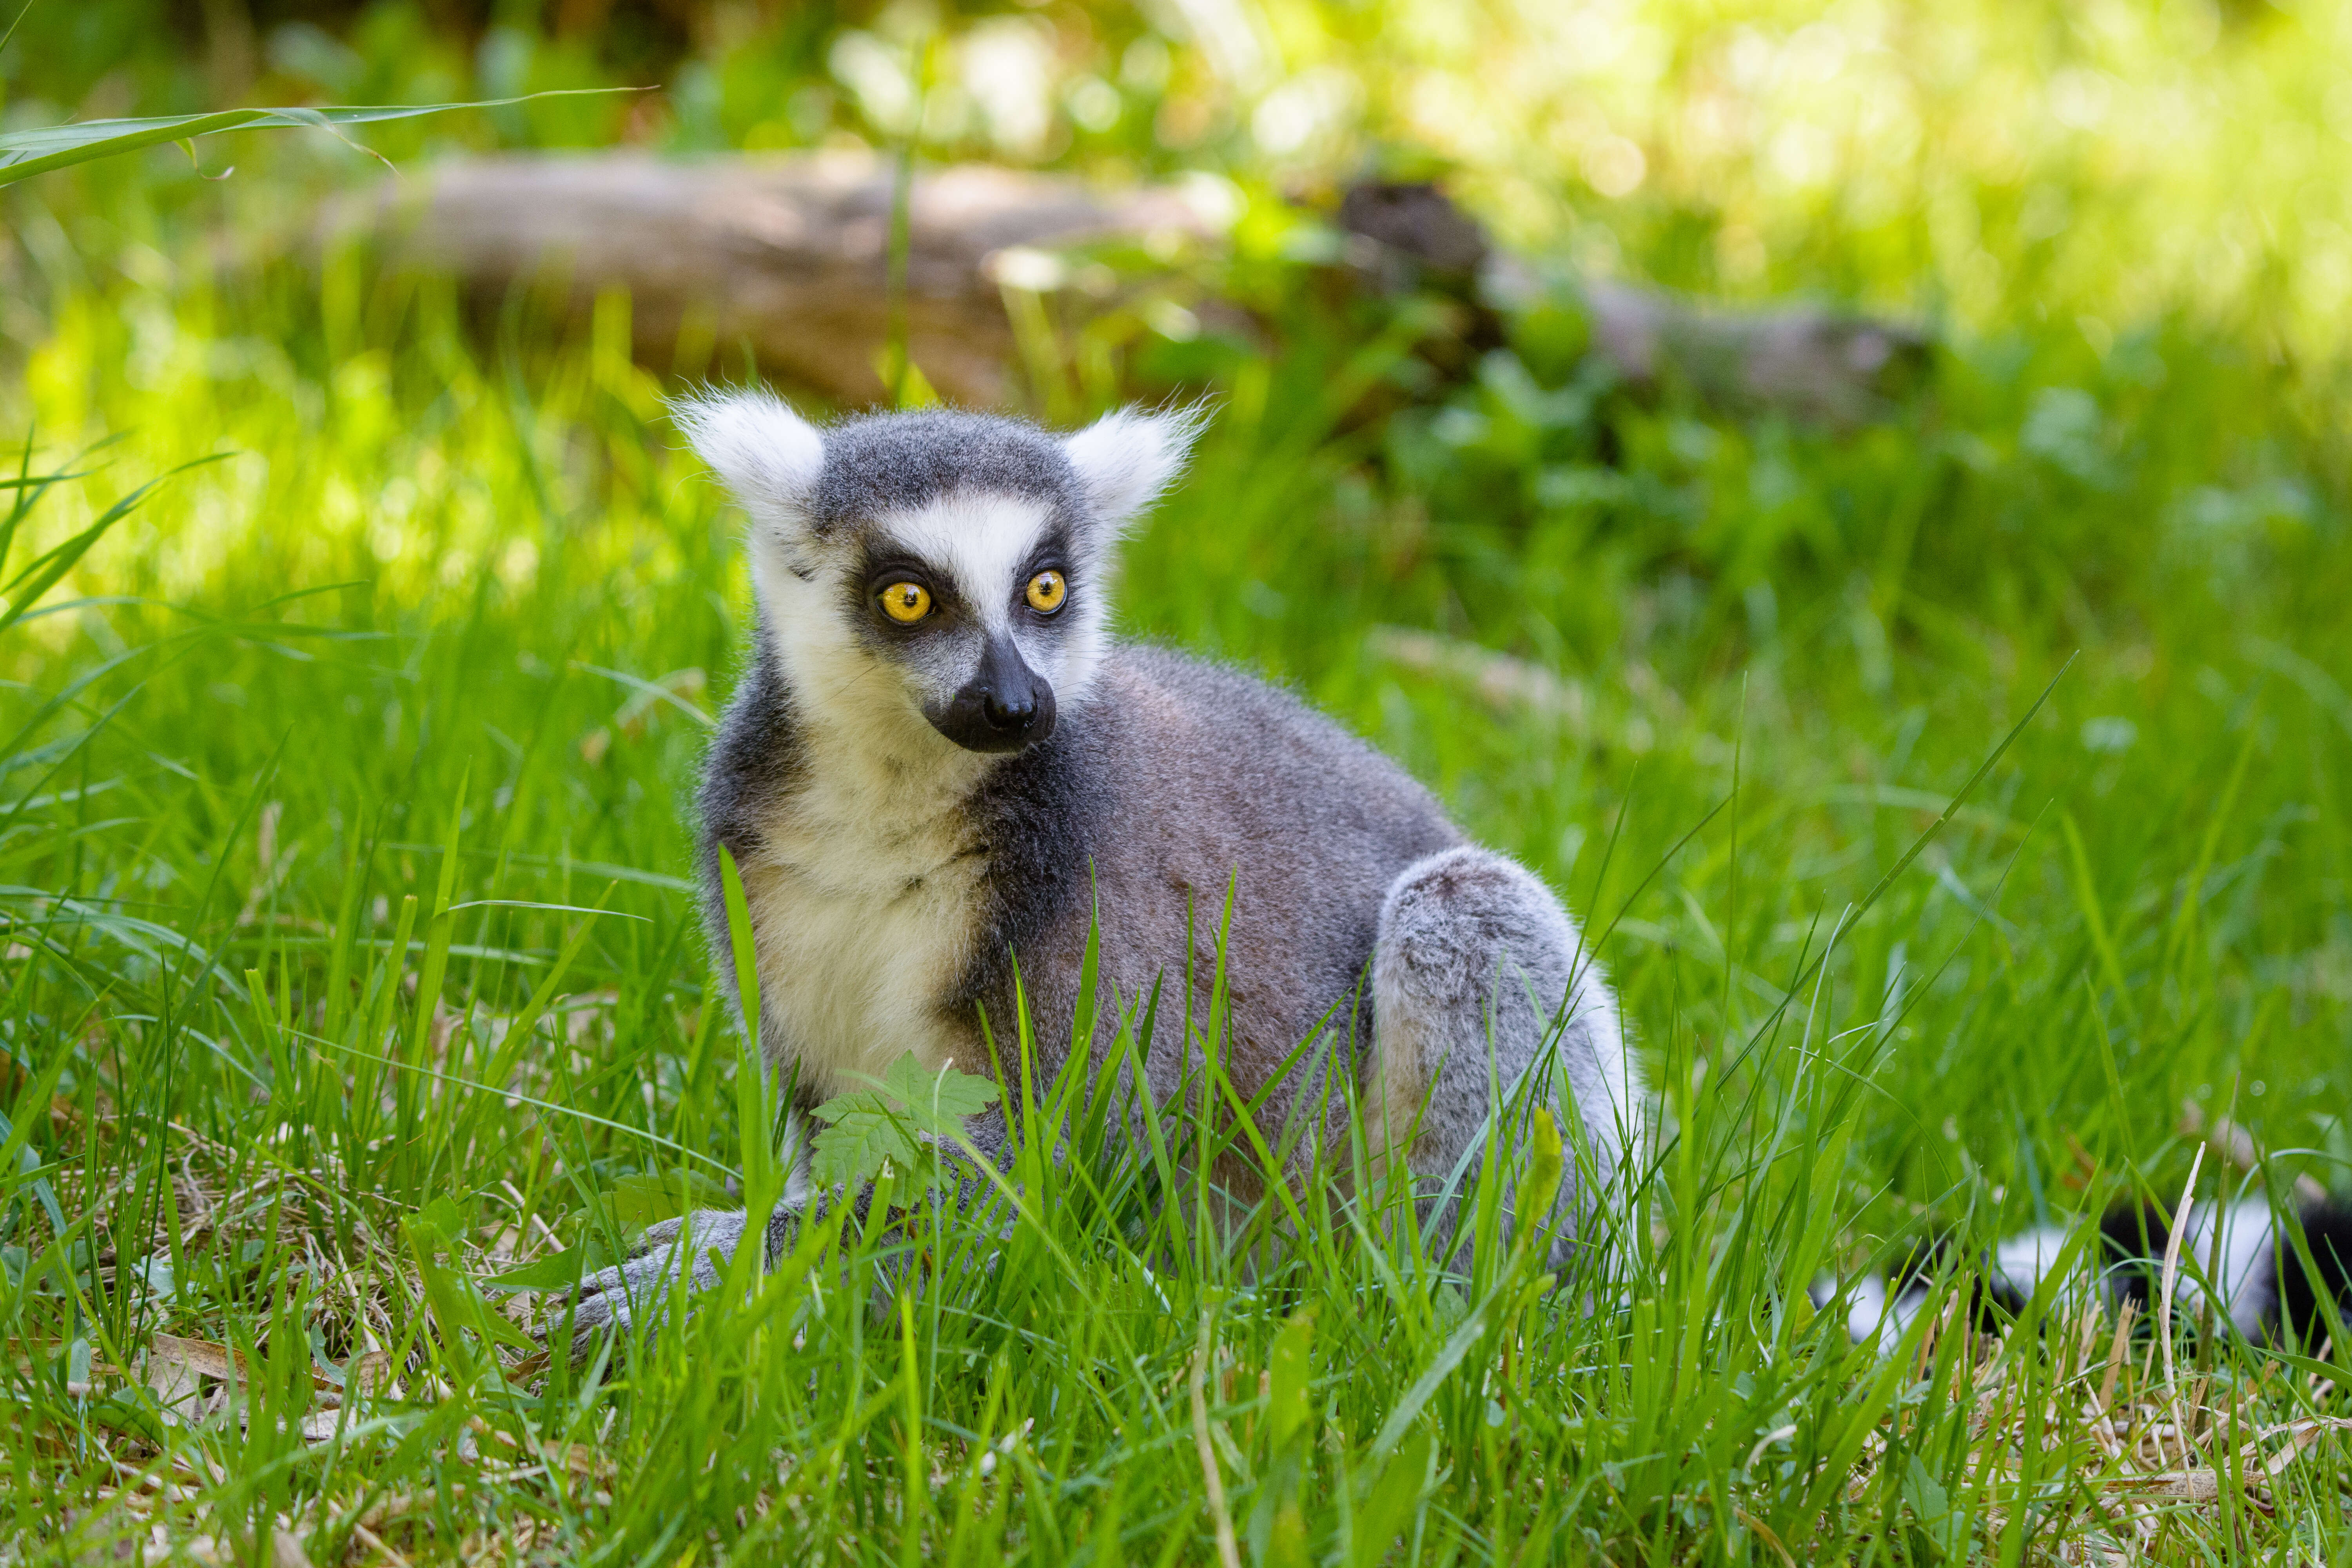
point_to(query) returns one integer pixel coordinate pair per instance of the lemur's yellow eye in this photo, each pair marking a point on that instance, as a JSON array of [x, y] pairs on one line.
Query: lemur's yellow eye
[[1046, 592], [906, 602]]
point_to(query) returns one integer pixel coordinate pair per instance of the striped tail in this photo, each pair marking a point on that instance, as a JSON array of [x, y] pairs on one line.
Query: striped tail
[[2240, 1258]]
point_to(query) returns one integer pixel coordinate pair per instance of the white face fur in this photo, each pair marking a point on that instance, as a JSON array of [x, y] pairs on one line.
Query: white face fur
[[934, 581]]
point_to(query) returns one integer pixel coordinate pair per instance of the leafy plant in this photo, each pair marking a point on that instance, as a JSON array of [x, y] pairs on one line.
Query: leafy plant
[[897, 1124]]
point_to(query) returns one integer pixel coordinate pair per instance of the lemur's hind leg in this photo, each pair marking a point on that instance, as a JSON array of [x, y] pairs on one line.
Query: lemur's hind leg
[[1475, 967]]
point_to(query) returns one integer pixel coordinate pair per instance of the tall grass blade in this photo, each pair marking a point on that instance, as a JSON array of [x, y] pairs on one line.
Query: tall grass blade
[[24, 153]]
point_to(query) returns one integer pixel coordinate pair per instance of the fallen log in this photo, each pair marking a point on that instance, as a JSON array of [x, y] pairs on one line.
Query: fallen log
[[789, 257]]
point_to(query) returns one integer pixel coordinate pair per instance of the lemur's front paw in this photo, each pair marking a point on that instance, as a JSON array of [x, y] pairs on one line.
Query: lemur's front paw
[[640, 1288]]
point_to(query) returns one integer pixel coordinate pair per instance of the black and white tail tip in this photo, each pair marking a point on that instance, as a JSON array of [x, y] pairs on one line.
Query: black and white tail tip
[[2240, 1258]]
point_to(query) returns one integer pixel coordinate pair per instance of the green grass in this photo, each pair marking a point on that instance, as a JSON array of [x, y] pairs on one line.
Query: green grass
[[350, 960]]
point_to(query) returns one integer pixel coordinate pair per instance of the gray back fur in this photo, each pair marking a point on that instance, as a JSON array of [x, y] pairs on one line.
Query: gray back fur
[[1180, 783]]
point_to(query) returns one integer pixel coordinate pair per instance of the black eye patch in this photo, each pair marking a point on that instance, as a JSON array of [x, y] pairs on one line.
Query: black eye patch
[[1051, 553], [881, 570]]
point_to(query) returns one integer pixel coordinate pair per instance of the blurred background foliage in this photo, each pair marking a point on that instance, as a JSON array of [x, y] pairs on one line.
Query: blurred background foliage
[[2097, 163], [2084, 198]]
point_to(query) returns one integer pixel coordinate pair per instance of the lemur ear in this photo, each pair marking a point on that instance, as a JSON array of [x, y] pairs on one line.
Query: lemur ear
[[1124, 461], [768, 456]]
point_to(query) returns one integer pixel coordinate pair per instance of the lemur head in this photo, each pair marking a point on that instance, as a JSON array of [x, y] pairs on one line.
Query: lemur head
[[949, 565]]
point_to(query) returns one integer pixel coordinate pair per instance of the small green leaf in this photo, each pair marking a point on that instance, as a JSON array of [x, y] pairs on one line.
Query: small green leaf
[[654, 1195], [440, 1221], [862, 1137], [559, 1271], [891, 1121], [939, 1101], [128, 1411]]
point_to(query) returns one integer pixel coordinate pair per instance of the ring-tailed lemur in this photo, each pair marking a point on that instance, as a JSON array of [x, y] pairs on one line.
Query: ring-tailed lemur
[[939, 759], [2236, 1259]]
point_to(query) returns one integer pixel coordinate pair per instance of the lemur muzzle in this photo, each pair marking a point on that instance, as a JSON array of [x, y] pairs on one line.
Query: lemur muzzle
[[1003, 707]]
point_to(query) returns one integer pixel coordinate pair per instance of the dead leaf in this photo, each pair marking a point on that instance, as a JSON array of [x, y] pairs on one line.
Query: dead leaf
[[175, 1371], [201, 1357], [2183, 1486], [2301, 1434]]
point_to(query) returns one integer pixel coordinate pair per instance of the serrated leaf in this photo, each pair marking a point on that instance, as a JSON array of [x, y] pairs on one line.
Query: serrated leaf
[[892, 1120], [939, 1102], [926, 1101], [860, 1139]]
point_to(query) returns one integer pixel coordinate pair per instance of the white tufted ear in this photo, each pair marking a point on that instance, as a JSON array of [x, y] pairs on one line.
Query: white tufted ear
[[768, 456], [1125, 460]]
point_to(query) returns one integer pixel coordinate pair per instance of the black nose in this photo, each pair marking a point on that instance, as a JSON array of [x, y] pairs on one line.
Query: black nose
[[1010, 713], [1005, 706]]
